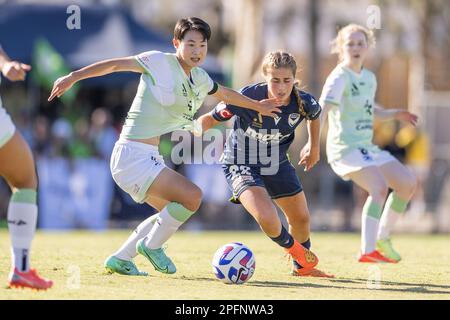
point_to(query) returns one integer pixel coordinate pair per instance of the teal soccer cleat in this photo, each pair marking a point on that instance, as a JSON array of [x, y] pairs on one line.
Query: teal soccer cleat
[[157, 257], [125, 267]]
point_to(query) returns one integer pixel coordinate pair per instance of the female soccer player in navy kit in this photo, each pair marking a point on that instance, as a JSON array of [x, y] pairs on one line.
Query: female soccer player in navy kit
[[253, 180]]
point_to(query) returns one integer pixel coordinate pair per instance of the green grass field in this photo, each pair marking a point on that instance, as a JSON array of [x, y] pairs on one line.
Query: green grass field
[[74, 260]]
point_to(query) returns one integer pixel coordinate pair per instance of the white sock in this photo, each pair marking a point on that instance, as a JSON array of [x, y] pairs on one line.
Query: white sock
[[388, 221], [128, 250], [162, 230], [22, 219], [369, 229], [393, 209]]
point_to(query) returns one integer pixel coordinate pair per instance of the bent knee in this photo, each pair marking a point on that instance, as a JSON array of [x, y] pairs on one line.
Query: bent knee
[[379, 192], [301, 219], [25, 182], [193, 198], [408, 186], [266, 218]]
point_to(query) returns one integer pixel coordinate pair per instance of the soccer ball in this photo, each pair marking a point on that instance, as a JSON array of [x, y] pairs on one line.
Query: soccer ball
[[233, 263]]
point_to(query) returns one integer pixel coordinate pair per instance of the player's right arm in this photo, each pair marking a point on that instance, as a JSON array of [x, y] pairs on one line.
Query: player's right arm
[[97, 69]]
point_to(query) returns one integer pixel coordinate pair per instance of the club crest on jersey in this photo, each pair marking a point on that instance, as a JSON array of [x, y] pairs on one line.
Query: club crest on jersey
[[293, 119]]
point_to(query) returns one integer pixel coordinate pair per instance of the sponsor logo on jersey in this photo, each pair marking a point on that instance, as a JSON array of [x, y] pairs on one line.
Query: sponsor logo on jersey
[[293, 119], [265, 137]]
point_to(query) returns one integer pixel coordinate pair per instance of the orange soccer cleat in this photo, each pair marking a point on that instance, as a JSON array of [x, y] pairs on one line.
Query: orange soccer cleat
[[375, 257], [303, 272], [303, 256], [28, 279]]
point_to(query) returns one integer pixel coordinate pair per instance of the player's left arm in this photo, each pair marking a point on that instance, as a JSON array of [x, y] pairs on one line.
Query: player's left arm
[[310, 153], [397, 114], [267, 107]]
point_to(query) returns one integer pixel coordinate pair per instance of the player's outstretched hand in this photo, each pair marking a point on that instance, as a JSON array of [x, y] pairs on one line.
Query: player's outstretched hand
[[15, 71], [407, 116], [60, 86], [309, 156], [270, 107]]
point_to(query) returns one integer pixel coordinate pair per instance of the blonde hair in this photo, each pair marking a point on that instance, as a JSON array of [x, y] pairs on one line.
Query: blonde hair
[[281, 59], [338, 42]]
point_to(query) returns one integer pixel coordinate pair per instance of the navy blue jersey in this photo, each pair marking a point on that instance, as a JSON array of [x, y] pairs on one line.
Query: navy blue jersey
[[255, 139]]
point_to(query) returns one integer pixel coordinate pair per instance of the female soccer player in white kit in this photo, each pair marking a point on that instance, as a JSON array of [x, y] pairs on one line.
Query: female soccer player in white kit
[[171, 90], [17, 168], [348, 101]]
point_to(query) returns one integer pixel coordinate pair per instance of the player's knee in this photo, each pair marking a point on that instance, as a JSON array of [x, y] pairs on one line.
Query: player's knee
[[193, 198], [410, 184], [266, 218], [379, 192], [25, 182], [303, 219]]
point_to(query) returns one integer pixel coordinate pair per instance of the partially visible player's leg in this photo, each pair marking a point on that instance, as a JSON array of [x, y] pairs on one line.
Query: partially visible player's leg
[[403, 183], [122, 260], [183, 199], [295, 208], [17, 167], [371, 179], [258, 203]]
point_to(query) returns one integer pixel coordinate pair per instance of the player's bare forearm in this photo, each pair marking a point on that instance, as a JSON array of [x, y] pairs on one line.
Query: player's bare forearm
[[229, 96], [207, 122], [106, 67], [384, 114], [3, 59], [397, 114], [267, 107], [314, 133], [62, 84]]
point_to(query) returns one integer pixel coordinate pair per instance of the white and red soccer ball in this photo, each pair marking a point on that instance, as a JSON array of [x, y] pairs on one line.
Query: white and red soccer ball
[[233, 263]]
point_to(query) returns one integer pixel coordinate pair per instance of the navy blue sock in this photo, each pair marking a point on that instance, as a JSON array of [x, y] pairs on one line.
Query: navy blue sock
[[284, 240], [307, 245]]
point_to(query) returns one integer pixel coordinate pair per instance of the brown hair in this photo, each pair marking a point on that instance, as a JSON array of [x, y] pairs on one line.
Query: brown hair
[[192, 23], [281, 59], [338, 42]]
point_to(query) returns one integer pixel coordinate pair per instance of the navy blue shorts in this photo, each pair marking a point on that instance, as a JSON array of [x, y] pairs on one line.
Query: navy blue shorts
[[284, 183]]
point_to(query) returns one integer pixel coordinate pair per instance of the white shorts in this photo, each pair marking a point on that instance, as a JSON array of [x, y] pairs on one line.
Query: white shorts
[[134, 167], [7, 127], [359, 159]]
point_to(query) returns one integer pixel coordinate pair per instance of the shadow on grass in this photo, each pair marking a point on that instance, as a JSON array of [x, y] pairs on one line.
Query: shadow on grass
[[334, 284], [414, 287]]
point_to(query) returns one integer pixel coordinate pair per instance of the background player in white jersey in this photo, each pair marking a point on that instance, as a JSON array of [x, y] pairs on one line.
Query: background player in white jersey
[[17, 168], [259, 190], [171, 89], [348, 101]]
